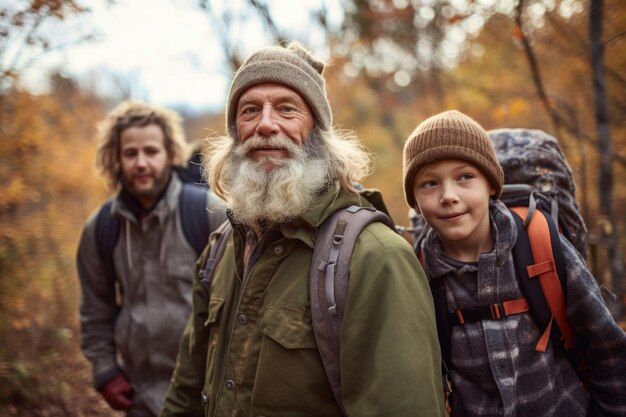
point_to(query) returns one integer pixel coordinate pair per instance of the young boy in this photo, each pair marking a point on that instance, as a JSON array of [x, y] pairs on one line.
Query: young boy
[[452, 177]]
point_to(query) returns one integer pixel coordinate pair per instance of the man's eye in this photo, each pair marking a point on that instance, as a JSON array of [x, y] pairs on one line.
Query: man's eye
[[287, 109], [248, 110]]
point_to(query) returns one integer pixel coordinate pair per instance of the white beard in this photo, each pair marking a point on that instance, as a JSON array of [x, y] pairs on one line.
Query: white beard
[[258, 196]]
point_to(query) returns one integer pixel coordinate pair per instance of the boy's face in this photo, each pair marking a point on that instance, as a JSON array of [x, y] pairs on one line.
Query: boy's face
[[453, 196]]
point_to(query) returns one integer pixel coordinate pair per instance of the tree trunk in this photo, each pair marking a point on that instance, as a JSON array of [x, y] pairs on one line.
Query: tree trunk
[[606, 153]]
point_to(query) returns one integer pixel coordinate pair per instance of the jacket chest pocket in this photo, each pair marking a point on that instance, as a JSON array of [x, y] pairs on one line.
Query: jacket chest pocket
[[289, 327], [289, 372]]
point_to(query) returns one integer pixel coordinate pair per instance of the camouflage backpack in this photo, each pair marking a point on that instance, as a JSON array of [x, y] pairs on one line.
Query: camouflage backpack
[[535, 159]]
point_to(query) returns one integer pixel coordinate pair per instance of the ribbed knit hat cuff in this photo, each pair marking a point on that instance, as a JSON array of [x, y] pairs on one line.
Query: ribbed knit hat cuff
[[493, 173], [279, 72]]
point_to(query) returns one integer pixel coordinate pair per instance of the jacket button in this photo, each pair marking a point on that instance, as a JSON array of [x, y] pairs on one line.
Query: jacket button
[[278, 250], [229, 384], [243, 319], [205, 397]]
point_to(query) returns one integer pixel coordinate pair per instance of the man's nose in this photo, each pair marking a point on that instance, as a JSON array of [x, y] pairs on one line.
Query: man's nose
[[141, 160], [267, 125]]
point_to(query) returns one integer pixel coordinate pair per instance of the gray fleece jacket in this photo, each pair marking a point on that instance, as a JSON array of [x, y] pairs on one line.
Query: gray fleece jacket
[[154, 266], [496, 370]]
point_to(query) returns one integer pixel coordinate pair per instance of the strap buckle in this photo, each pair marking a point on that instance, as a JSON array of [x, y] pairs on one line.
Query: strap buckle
[[495, 311]]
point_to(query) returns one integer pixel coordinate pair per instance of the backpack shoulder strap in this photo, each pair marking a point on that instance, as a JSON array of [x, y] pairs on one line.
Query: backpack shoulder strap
[[222, 234], [328, 282], [193, 200], [107, 233], [541, 274], [444, 331]]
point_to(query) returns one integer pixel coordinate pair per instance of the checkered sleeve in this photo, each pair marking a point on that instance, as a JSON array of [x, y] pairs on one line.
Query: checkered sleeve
[[601, 341]]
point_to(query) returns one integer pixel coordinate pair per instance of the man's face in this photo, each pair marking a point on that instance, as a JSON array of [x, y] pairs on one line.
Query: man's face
[[278, 164], [145, 162], [272, 110]]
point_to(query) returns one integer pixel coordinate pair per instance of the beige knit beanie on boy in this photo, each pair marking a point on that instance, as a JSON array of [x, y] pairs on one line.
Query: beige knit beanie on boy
[[293, 67], [449, 135]]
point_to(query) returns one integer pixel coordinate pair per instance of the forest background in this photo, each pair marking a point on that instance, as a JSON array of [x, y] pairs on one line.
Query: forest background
[[555, 65]]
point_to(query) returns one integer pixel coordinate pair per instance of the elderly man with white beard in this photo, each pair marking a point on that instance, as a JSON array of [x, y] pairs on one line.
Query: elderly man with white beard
[[249, 347]]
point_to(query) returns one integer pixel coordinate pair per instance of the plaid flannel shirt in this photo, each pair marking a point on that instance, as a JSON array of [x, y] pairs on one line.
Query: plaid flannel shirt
[[495, 368]]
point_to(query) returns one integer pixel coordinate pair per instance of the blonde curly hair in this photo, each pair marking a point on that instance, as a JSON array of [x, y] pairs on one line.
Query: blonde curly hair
[[132, 113]]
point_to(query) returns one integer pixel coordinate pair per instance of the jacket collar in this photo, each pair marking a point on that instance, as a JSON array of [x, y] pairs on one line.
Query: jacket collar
[[305, 226]]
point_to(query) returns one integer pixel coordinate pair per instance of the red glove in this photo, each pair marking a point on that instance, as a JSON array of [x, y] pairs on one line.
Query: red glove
[[118, 393]]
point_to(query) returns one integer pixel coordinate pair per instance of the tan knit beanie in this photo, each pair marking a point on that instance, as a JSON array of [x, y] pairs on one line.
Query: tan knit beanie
[[293, 67], [449, 135]]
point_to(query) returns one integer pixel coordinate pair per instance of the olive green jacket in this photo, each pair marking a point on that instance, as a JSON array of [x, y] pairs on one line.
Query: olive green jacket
[[250, 349]]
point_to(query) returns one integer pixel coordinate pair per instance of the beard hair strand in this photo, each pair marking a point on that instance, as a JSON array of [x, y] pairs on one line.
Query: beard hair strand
[[257, 196]]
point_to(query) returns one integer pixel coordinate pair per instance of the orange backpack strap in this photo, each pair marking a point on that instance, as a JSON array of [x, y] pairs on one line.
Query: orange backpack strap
[[544, 269], [495, 311]]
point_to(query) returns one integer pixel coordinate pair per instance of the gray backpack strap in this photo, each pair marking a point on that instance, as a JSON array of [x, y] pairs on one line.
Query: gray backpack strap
[[223, 233], [329, 276]]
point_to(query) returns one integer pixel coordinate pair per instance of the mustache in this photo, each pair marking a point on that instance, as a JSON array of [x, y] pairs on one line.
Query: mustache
[[273, 142]]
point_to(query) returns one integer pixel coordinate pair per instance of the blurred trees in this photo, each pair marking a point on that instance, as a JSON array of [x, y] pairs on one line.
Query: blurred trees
[[605, 145], [49, 187], [27, 32], [512, 63], [254, 23]]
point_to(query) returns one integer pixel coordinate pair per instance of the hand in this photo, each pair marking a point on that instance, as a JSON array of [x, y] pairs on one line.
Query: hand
[[118, 393]]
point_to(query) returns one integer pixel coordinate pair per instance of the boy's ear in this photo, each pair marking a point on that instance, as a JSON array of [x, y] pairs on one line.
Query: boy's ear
[[492, 191]]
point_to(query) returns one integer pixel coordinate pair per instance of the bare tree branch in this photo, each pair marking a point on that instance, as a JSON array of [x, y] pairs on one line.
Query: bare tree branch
[[30, 20], [583, 45], [221, 26], [605, 179], [614, 38], [558, 120], [268, 21], [534, 68]]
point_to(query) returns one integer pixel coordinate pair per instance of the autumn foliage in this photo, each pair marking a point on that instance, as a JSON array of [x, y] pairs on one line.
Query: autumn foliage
[[49, 188]]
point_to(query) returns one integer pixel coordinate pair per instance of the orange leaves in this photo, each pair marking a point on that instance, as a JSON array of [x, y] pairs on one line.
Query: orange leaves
[[519, 106], [49, 188], [455, 19], [12, 194], [516, 108], [518, 33]]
